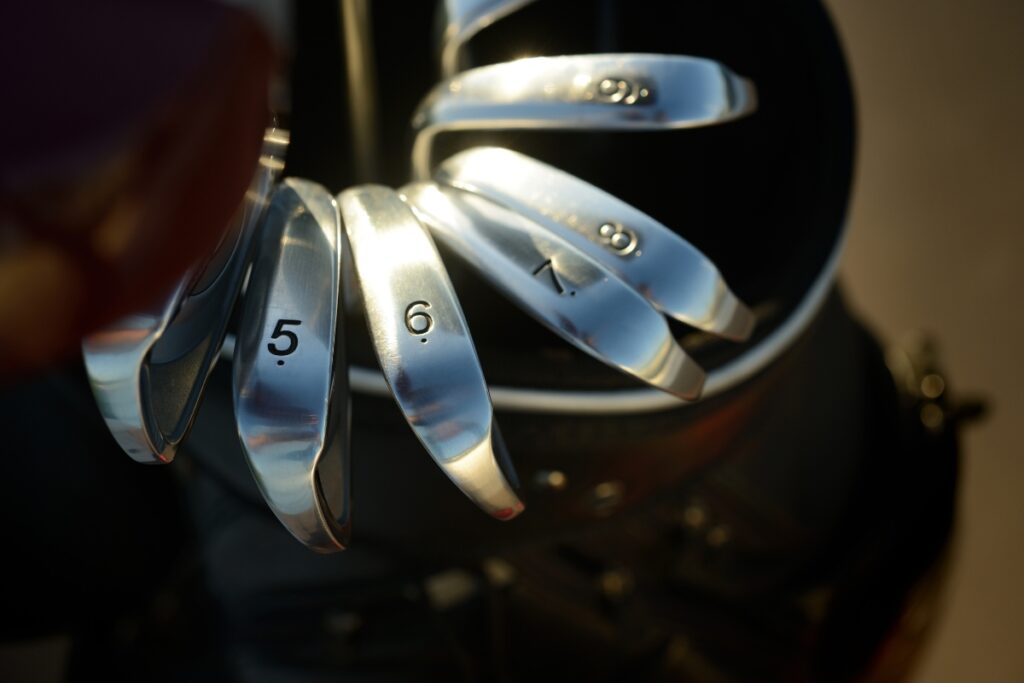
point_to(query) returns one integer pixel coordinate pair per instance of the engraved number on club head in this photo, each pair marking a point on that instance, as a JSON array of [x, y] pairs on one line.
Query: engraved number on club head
[[291, 391], [424, 347], [660, 265], [561, 287]]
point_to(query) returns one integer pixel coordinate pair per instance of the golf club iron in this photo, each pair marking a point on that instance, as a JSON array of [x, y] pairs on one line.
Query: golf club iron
[[663, 267], [628, 92], [424, 347], [463, 19], [560, 286], [148, 371], [290, 376]]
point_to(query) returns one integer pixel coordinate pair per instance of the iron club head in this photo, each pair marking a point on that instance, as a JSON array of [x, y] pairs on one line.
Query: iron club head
[[148, 371], [290, 379], [634, 92], [561, 287], [666, 269], [424, 346], [463, 19]]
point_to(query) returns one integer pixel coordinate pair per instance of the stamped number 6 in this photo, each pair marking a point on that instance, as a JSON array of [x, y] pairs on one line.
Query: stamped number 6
[[417, 320]]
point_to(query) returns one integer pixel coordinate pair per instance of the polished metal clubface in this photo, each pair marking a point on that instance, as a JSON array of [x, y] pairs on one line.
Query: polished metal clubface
[[424, 346], [462, 20], [630, 92], [558, 285], [148, 371], [666, 269], [290, 380], [115, 360]]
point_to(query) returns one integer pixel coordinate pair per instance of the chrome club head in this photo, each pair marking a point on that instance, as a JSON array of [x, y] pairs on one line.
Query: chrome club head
[[634, 92], [424, 346], [148, 370], [463, 19], [557, 284], [666, 269], [290, 380]]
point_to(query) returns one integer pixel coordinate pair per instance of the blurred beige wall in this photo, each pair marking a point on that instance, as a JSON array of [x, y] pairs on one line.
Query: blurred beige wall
[[938, 244]]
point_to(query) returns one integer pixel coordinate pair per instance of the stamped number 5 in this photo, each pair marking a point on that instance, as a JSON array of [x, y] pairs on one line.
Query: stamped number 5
[[279, 331]]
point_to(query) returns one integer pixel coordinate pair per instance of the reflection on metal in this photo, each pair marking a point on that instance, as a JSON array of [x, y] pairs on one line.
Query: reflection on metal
[[666, 269], [633, 401], [462, 20], [115, 360], [291, 397], [499, 572], [149, 370], [616, 584], [424, 346], [695, 516], [606, 497], [933, 417], [550, 480], [718, 536], [361, 76], [915, 366], [561, 287], [450, 588], [932, 386], [630, 92]]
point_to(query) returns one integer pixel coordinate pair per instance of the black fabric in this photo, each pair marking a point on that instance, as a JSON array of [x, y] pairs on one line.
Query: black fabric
[[853, 533], [88, 534], [839, 499]]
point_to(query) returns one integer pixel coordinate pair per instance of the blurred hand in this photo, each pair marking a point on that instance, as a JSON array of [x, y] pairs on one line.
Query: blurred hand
[[132, 128]]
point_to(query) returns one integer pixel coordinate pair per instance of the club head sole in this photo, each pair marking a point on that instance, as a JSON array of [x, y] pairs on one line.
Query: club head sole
[[559, 286], [291, 393], [607, 92], [424, 347], [148, 371], [664, 268]]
